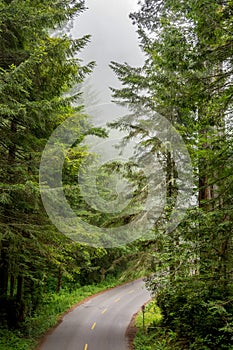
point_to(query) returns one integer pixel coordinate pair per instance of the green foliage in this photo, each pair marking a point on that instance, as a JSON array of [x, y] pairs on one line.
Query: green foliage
[[195, 312], [149, 337], [152, 317], [187, 78], [10, 340], [143, 342], [157, 339], [37, 71], [47, 315]]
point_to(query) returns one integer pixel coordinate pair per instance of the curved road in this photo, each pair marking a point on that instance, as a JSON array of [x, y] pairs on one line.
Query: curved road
[[101, 322]]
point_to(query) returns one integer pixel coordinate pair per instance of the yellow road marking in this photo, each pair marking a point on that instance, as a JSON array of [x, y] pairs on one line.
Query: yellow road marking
[[86, 347], [93, 326], [103, 312], [118, 299], [131, 291]]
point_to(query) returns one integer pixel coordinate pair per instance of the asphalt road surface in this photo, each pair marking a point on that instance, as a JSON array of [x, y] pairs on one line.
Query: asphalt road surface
[[101, 322]]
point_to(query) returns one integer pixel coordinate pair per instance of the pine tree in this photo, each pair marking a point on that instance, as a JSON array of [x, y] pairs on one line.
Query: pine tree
[[37, 69], [187, 78]]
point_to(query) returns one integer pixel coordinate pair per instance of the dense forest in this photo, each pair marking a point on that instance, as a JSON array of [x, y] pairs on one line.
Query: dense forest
[[187, 80], [39, 66]]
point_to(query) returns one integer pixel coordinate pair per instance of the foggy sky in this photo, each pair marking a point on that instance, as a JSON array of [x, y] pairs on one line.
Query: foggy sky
[[113, 38]]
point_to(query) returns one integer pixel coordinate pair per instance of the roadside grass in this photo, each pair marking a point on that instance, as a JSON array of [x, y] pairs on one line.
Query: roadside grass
[[158, 339], [152, 336], [152, 316], [48, 314]]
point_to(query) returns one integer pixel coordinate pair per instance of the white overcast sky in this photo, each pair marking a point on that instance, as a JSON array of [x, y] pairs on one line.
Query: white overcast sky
[[113, 38]]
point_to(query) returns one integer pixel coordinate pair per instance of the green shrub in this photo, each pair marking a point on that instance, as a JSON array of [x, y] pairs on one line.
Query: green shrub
[[47, 315], [193, 312], [152, 316], [10, 340]]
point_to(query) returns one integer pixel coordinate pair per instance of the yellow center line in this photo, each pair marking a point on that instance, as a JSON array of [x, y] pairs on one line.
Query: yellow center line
[[131, 291], [118, 299], [93, 326], [86, 347], [103, 312]]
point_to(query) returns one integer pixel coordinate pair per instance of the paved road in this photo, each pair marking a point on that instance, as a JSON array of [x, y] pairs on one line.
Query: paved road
[[101, 322]]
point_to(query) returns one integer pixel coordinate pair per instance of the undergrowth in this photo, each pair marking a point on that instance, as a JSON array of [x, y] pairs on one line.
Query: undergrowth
[[47, 315], [150, 335]]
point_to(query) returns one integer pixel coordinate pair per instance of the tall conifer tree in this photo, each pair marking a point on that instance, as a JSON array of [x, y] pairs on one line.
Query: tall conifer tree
[[187, 78]]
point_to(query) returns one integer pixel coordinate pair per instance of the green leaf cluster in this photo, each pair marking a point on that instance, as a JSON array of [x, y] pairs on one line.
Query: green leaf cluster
[[187, 78]]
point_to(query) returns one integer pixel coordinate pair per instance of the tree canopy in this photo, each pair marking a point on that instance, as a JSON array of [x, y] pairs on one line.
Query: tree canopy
[[187, 78]]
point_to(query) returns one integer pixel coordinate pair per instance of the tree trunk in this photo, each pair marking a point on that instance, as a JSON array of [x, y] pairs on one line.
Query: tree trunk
[[12, 285], [20, 289], [4, 270]]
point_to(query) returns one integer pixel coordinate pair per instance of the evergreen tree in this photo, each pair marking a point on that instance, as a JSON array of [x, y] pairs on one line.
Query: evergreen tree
[[37, 69], [187, 78]]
